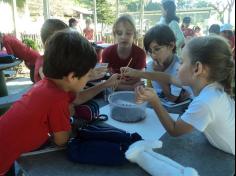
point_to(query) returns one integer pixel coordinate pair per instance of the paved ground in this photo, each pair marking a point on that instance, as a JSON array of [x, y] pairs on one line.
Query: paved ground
[[15, 85]]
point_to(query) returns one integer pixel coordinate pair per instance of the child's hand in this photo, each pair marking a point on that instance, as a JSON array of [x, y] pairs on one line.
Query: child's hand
[[113, 81], [72, 109], [145, 94], [98, 73], [127, 71]]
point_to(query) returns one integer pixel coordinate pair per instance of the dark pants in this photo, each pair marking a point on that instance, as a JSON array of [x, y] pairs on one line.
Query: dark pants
[[11, 171]]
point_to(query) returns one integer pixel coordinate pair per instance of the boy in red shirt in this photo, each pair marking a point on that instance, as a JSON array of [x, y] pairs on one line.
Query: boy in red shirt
[[188, 32], [88, 31], [43, 112]]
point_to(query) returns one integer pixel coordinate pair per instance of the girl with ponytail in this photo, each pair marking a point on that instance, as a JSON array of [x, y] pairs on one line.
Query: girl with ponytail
[[208, 68]]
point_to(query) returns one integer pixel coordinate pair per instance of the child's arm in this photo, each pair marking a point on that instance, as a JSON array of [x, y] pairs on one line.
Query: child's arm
[[159, 76], [129, 83], [174, 128], [41, 72], [91, 92], [61, 138]]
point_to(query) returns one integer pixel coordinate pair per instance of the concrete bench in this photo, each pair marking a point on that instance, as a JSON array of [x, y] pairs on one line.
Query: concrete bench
[[8, 100]]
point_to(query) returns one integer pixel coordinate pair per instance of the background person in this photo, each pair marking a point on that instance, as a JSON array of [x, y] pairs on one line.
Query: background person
[[197, 31], [226, 30], [168, 8], [187, 31], [214, 29], [88, 31]]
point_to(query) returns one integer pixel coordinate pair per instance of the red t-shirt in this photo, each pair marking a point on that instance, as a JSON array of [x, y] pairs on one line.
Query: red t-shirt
[[43, 110], [38, 64], [20, 50], [188, 32], [88, 33], [111, 57]]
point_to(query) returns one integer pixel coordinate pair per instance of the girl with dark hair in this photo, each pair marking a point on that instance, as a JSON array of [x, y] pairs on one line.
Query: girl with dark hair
[[197, 31], [170, 18], [208, 68], [159, 42]]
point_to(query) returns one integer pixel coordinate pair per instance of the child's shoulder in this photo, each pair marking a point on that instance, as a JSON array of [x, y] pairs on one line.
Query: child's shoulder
[[138, 49]]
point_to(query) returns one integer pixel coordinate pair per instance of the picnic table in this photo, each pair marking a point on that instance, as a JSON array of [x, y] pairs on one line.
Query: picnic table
[[192, 150], [3, 87]]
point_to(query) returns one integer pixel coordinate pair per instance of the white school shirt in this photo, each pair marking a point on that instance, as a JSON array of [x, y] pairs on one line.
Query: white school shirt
[[171, 70], [213, 113]]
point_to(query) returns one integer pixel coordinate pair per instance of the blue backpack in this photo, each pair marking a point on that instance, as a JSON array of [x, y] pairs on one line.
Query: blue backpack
[[100, 145]]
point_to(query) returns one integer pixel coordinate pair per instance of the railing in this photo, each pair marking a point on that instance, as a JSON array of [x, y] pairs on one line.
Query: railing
[[107, 38], [34, 37]]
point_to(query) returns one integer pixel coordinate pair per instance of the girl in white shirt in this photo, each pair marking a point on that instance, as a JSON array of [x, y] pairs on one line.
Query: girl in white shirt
[[207, 67]]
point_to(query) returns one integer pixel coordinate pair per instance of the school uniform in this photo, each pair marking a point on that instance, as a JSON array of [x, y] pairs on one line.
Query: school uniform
[[38, 64], [172, 69], [42, 111], [111, 57], [20, 50], [213, 113]]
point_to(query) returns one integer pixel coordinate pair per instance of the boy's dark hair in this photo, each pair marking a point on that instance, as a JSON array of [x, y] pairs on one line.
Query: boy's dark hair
[[170, 9], [67, 51], [187, 20], [214, 28], [50, 26], [71, 21], [161, 34], [215, 52]]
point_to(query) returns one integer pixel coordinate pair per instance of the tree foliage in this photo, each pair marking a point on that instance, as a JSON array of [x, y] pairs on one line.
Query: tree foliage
[[105, 13], [19, 3]]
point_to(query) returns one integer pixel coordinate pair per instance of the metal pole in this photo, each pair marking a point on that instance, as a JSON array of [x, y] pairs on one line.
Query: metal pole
[[46, 12], [14, 10], [117, 8], [141, 16], [95, 18]]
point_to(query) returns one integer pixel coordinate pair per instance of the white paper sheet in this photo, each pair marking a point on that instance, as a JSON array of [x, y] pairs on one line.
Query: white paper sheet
[[150, 128]]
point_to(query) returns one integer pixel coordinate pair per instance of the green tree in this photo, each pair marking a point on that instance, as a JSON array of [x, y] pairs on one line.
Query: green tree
[[105, 13], [85, 3], [201, 4], [19, 3], [152, 6]]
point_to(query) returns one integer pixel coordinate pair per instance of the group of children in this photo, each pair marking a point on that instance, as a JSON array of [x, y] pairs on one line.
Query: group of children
[[205, 66]]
